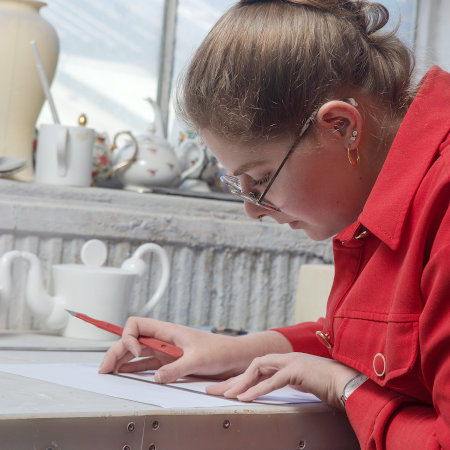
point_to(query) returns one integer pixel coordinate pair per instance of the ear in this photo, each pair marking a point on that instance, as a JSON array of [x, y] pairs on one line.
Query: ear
[[338, 120]]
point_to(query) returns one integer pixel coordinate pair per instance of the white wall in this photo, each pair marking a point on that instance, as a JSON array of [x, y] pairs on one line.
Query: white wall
[[433, 35]]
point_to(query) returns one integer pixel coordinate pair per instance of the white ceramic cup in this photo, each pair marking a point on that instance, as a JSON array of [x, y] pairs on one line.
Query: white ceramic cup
[[64, 155]]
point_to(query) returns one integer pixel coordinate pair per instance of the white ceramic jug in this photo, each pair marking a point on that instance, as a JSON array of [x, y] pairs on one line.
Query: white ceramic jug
[[89, 288]]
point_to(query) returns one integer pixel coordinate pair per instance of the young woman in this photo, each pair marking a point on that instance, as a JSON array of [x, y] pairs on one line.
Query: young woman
[[310, 107]]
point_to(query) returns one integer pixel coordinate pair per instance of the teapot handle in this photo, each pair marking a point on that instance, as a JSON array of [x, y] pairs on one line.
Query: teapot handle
[[199, 165], [6, 276], [129, 161], [62, 152], [136, 264]]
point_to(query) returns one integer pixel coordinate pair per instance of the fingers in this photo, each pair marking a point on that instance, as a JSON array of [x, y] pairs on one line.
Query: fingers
[[265, 374], [322, 377], [138, 326], [204, 354], [273, 383], [171, 372], [131, 332], [234, 387], [242, 387], [140, 365], [129, 347], [116, 355], [220, 388]]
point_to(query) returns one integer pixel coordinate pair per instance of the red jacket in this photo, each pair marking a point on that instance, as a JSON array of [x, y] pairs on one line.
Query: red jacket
[[388, 313]]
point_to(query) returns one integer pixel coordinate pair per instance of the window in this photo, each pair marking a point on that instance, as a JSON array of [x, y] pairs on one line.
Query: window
[[108, 61], [110, 55], [406, 10]]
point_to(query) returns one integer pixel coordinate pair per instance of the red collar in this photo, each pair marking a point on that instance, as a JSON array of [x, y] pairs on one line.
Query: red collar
[[424, 127]]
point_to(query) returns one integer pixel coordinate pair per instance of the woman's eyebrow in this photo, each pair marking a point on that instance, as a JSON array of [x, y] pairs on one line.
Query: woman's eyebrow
[[246, 167]]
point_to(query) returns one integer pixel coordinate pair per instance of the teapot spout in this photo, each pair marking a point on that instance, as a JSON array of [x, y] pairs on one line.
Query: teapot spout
[[38, 300], [6, 277], [158, 123]]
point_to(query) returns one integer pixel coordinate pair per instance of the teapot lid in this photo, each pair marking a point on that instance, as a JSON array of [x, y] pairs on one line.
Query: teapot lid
[[93, 256], [94, 253]]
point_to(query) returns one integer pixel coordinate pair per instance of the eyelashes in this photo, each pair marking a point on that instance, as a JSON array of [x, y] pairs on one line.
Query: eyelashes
[[265, 179]]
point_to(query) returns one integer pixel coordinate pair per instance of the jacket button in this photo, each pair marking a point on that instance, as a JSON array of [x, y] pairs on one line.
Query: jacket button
[[324, 338], [379, 364]]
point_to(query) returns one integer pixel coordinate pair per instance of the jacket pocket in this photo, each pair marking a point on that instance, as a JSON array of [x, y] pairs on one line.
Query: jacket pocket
[[383, 348]]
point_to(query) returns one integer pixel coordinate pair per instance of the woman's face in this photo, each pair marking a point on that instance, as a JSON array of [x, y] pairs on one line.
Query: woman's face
[[317, 190]]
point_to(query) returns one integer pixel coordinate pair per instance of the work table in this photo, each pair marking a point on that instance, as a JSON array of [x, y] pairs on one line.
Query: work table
[[41, 415]]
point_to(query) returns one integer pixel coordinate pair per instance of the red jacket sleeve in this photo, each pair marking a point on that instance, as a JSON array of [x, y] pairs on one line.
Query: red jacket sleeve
[[303, 338]]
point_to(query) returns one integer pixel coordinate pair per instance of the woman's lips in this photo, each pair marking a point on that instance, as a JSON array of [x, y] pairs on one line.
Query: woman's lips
[[296, 225]]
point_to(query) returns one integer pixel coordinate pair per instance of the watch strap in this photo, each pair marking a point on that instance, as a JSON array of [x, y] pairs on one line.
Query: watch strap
[[351, 386]]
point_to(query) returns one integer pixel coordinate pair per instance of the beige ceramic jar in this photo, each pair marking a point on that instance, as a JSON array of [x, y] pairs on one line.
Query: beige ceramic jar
[[20, 88]]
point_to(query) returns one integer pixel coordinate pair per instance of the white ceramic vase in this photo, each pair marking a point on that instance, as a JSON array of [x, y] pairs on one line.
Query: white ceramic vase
[[20, 87]]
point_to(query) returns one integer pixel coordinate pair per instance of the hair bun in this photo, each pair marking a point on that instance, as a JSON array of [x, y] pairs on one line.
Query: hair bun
[[368, 16]]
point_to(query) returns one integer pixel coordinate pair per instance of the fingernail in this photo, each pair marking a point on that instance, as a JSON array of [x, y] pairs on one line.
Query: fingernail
[[161, 376], [133, 351]]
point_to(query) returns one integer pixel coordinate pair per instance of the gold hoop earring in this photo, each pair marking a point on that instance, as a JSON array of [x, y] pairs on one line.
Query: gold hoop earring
[[353, 161]]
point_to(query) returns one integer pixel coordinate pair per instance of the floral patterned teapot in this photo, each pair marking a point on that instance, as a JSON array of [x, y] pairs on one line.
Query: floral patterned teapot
[[155, 164], [103, 167]]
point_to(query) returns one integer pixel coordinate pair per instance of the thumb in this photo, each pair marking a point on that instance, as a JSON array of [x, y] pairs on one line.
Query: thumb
[[171, 372]]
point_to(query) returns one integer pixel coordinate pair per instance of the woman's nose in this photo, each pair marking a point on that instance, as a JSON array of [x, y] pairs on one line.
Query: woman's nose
[[254, 211]]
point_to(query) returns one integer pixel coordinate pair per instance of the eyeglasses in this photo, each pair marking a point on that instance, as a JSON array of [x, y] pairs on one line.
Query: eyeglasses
[[234, 184], [235, 187]]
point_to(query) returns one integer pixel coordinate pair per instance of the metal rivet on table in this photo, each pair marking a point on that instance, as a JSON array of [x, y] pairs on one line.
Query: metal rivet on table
[[155, 425], [130, 426], [152, 447], [126, 447], [302, 444], [226, 424]]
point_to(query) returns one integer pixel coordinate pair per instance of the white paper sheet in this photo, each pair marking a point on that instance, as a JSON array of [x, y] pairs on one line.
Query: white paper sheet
[[286, 395], [186, 393]]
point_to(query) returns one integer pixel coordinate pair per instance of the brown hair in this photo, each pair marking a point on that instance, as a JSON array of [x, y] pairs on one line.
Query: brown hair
[[267, 65]]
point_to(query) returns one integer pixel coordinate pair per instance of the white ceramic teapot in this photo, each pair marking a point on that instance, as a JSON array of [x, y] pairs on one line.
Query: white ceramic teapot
[[156, 164], [89, 288]]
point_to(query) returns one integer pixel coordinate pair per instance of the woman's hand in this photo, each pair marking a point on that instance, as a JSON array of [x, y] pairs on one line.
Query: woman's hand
[[204, 353], [323, 377]]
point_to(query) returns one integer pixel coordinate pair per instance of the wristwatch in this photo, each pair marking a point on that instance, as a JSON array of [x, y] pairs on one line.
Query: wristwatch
[[351, 386]]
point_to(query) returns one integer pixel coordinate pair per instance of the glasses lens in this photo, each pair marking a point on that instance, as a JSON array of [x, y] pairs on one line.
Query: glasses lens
[[232, 182], [234, 185]]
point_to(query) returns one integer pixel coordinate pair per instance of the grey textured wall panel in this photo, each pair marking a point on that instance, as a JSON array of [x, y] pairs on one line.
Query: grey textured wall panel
[[226, 269]]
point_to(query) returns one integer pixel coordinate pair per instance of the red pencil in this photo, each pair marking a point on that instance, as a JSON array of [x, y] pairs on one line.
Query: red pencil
[[156, 344]]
